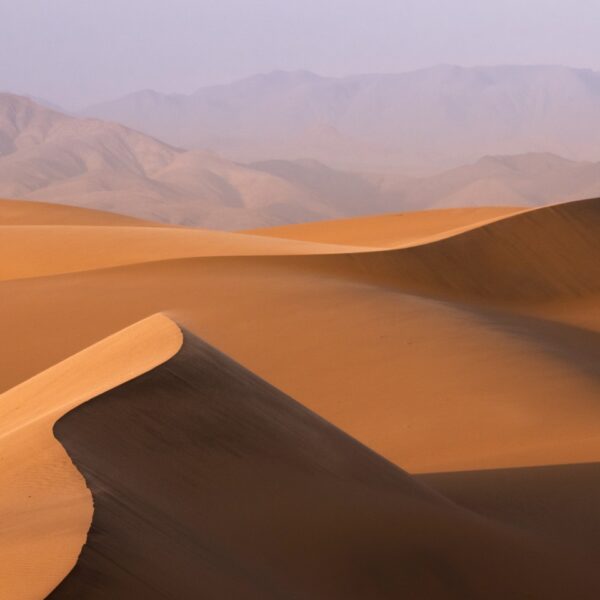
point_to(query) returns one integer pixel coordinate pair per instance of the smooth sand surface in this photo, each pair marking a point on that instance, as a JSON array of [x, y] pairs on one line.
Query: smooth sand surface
[[209, 483], [393, 229], [45, 507], [34, 250], [557, 502], [476, 350], [18, 212], [432, 385]]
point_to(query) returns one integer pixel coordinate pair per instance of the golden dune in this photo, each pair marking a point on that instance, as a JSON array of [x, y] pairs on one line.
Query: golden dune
[[446, 341], [45, 506], [435, 385]]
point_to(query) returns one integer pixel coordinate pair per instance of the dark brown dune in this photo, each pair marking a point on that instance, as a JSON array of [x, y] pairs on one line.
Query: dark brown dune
[[559, 502], [533, 256], [209, 483]]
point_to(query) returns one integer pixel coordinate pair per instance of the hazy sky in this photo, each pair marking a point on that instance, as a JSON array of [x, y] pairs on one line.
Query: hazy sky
[[76, 52]]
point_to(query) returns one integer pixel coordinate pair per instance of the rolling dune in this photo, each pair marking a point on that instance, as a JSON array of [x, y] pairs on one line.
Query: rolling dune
[[17, 212], [507, 389], [39, 250], [209, 483], [45, 506], [393, 229], [533, 256], [462, 345]]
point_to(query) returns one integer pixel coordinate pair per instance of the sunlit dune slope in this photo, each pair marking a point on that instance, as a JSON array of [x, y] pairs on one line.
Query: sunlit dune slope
[[20, 212], [209, 483], [537, 255], [471, 373], [392, 229], [41, 246], [33, 250], [45, 507]]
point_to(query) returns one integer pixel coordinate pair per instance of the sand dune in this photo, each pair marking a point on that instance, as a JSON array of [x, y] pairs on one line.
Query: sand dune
[[391, 230], [249, 495], [558, 502], [511, 388], [17, 212], [463, 343], [45, 507], [536, 255], [38, 250], [33, 250]]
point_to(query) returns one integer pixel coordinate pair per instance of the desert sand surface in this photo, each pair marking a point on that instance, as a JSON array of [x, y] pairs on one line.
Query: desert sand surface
[[391, 230], [17, 212], [464, 308], [461, 345], [249, 495], [31, 250], [559, 502], [37, 250], [45, 505]]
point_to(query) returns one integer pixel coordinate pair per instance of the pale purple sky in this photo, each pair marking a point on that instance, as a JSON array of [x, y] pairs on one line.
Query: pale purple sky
[[76, 52]]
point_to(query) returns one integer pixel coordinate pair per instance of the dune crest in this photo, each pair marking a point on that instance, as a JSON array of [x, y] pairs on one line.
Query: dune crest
[[45, 506], [227, 488], [512, 386]]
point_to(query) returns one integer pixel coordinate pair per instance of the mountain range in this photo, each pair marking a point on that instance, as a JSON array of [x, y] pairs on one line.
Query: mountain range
[[49, 156], [435, 118]]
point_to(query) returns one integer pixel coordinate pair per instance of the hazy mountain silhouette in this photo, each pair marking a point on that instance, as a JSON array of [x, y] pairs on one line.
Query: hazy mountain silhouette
[[438, 117]]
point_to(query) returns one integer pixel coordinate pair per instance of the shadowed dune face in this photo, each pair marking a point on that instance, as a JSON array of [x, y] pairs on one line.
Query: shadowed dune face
[[209, 483], [456, 341], [431, 383], [45, 507], [559, 502], [535, 256]]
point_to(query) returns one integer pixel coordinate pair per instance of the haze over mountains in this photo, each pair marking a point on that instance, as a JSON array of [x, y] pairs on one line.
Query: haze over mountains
[[433, 118], [45, 155], [451, 112]]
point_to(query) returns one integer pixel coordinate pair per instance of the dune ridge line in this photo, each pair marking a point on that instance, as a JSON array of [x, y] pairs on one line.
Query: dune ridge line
[[45, 503]]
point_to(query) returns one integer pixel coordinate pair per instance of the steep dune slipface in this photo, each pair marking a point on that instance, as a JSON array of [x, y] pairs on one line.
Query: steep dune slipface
[[474, 351], [429, 385], [536, 256], [209, 483], [432, 385], [45, 508], [558, 502]]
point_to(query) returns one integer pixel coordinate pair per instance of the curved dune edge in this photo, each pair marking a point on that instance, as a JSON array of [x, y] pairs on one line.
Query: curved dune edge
[[45, 506], [505, 251], [40, 250], [227, 488], [534, 256], [392, 229], [44, 246], [30, 212]]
